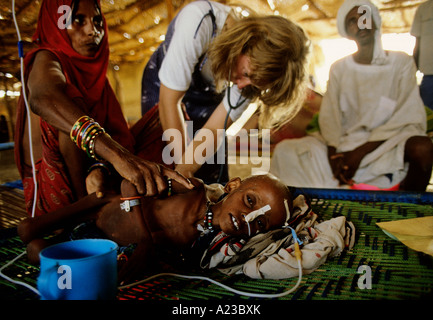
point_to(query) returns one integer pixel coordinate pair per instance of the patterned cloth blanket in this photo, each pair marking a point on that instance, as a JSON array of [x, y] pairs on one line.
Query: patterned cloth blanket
[[271, 255]]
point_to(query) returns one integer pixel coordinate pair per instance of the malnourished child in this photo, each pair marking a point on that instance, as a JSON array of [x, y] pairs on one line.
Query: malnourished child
[[175, 220]]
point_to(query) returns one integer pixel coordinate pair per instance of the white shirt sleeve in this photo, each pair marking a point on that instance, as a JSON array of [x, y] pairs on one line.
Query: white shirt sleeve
[[185, 51]]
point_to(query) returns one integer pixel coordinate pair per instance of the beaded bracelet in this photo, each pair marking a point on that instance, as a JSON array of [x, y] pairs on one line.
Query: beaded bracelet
[[169, 191], [83, 134]]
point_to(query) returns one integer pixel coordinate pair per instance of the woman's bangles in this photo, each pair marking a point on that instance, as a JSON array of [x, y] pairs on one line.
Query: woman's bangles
[[83, 134], [103, 165]]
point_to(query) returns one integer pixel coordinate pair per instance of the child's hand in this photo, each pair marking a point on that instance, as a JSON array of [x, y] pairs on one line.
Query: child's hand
[[97, 182]]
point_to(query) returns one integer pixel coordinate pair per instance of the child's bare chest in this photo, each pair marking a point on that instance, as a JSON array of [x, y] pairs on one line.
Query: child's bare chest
[[175, 222]]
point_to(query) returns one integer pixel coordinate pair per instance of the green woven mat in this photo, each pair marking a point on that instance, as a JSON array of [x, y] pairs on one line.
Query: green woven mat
[[397, 272]]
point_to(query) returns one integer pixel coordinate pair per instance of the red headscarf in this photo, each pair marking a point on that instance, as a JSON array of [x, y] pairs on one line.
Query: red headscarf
[[85, 76]]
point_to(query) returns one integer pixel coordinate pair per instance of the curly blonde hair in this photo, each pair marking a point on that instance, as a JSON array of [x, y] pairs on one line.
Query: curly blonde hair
[[278, 50]]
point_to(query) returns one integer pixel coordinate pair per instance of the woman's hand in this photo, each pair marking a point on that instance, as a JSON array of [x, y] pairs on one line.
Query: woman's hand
[[148, 177]]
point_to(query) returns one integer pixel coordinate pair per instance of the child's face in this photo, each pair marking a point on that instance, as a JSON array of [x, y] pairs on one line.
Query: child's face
[[250, 195]]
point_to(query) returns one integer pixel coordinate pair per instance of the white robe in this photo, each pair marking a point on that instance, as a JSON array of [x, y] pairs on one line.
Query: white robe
[[363, 103]]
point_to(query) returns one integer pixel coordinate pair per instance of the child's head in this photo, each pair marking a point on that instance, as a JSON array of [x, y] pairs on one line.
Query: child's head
[[235, 213]]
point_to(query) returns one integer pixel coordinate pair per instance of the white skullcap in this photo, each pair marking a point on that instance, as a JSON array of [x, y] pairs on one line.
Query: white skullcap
[[379, 56]]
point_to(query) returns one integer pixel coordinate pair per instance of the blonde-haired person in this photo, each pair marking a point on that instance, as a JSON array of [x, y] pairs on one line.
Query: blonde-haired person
[[207, 47], [277, 50]]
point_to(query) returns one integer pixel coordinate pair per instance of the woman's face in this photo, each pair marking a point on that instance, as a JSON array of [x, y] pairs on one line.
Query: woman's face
[[242, 72], [86, 31]]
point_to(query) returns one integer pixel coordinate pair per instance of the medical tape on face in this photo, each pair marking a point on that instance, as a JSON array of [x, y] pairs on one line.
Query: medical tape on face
[[254, 214], [286, 205]]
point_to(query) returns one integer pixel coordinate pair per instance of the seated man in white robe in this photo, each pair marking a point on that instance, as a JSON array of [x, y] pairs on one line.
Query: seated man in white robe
[[372, 120]]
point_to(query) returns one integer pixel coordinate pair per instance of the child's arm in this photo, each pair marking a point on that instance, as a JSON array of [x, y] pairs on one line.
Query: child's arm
[[141, 259], [80, 211]]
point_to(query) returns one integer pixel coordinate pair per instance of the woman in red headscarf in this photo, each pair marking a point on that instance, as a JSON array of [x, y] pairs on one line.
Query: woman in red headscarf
[[73, 107]]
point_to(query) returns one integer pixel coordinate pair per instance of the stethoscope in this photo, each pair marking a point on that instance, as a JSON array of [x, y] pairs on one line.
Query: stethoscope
[[241, 100], [228, 92]]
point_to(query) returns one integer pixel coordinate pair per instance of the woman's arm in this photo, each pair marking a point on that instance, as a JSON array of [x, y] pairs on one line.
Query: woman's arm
[[47, 85], [47, 98], [170, 114], [172, 118], [215, 122]]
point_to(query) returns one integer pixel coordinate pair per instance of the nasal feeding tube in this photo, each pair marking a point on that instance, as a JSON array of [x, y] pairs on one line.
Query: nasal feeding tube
[[254, 214]]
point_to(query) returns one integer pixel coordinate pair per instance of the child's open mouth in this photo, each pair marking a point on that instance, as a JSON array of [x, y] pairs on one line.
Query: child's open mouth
[[235, 222]]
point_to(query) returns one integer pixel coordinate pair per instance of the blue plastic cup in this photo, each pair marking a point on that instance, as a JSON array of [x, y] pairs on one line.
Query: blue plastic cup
[[79, 270]]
